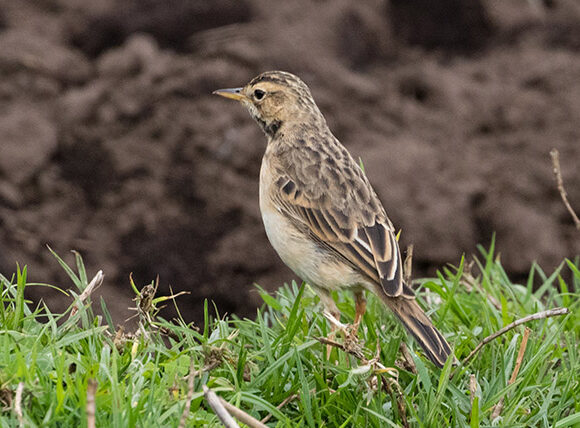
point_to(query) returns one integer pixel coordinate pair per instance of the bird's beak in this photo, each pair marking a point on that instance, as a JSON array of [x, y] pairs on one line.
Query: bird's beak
[[233, 93]]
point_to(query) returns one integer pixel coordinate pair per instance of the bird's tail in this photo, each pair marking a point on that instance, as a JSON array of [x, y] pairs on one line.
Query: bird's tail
[[421, 327]]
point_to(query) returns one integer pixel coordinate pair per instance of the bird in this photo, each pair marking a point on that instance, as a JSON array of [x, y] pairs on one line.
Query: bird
[[320, 212]]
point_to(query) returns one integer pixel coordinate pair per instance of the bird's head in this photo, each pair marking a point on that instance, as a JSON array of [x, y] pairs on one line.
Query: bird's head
[[275, 99]]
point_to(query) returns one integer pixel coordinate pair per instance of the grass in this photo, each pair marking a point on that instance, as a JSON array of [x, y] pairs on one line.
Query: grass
[[257, 365]]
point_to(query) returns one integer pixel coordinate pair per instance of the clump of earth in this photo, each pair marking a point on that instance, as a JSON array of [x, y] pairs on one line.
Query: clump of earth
[[111, 143]]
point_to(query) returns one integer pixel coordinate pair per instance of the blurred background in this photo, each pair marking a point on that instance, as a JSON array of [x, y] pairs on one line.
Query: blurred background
[[112, 144]]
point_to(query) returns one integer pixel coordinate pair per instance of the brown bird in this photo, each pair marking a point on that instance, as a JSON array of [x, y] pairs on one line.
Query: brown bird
[[320, 212]]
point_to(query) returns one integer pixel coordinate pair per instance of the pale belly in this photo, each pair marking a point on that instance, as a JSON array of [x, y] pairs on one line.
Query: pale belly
[[309, 261]]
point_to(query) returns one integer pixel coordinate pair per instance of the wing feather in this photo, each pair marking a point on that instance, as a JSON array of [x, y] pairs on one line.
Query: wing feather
[[379, 241], [370, 248], [359, 257], [320, 186]]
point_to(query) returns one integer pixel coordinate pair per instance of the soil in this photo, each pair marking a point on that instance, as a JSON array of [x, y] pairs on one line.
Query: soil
[[112, 144]]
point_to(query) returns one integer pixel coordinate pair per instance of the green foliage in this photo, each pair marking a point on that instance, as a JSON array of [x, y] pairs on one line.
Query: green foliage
[[258, 364]]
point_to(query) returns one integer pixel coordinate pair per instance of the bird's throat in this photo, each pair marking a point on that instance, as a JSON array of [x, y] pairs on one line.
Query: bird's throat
[[271, 128]]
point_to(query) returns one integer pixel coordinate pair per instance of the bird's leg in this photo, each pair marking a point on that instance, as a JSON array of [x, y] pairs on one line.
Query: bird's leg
[[360, 309], [329, 305]]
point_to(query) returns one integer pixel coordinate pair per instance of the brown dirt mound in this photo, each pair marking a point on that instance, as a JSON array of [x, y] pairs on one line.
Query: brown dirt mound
[[111, 144]]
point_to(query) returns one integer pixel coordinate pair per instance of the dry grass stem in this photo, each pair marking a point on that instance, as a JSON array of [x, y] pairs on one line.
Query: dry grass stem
[[119, 339], [213, 400], [333, 321], [92, 286], [147, 307], [279, 406], [520, 358], [207, 368], [190, 383], [499, 406], [242, 416], [352, 351], [288, 400], [18, 403], [472, 387], [537, 316], [91, 403], [555, 155], [409, 362]]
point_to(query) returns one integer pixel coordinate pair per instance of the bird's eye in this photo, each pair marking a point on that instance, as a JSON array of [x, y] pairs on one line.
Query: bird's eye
[[259, 94]]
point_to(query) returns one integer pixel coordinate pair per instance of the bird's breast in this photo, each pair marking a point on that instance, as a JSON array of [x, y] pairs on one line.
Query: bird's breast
[[289, 242], [296, 248]]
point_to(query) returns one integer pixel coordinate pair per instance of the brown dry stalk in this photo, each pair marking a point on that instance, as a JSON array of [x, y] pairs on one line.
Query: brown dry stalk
[[93, 285], [472, 387], [555, 155], [353, 351], [409, 363], [288, 400], [499, 406], [91, 403], [520, 358], [537, 316], [190, 383], [208, 368], [279, 406]]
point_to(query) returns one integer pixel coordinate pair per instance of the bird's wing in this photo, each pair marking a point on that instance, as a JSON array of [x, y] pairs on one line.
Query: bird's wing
[[333, 199]]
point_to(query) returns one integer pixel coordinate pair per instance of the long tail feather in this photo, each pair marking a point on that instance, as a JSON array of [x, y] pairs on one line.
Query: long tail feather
[[421, 327]]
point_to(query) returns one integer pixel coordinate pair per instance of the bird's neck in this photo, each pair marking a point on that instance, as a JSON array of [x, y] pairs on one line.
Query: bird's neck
[[299, 135], [306, 130], [270, 128]]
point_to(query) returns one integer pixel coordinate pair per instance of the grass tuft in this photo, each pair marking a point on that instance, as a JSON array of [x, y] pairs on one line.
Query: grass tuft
[[74, 369]]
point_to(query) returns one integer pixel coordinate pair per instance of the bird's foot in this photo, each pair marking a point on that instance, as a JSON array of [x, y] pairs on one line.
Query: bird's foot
[[350, 344]]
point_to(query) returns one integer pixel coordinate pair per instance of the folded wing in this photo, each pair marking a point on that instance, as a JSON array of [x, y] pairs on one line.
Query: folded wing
[[350, 227]]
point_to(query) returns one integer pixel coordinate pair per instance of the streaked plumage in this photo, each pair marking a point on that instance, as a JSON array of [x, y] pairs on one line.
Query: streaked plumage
[[320, 212]]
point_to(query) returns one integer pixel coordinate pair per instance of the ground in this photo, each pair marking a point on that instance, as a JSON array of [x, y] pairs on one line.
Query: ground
[[112, 144]]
